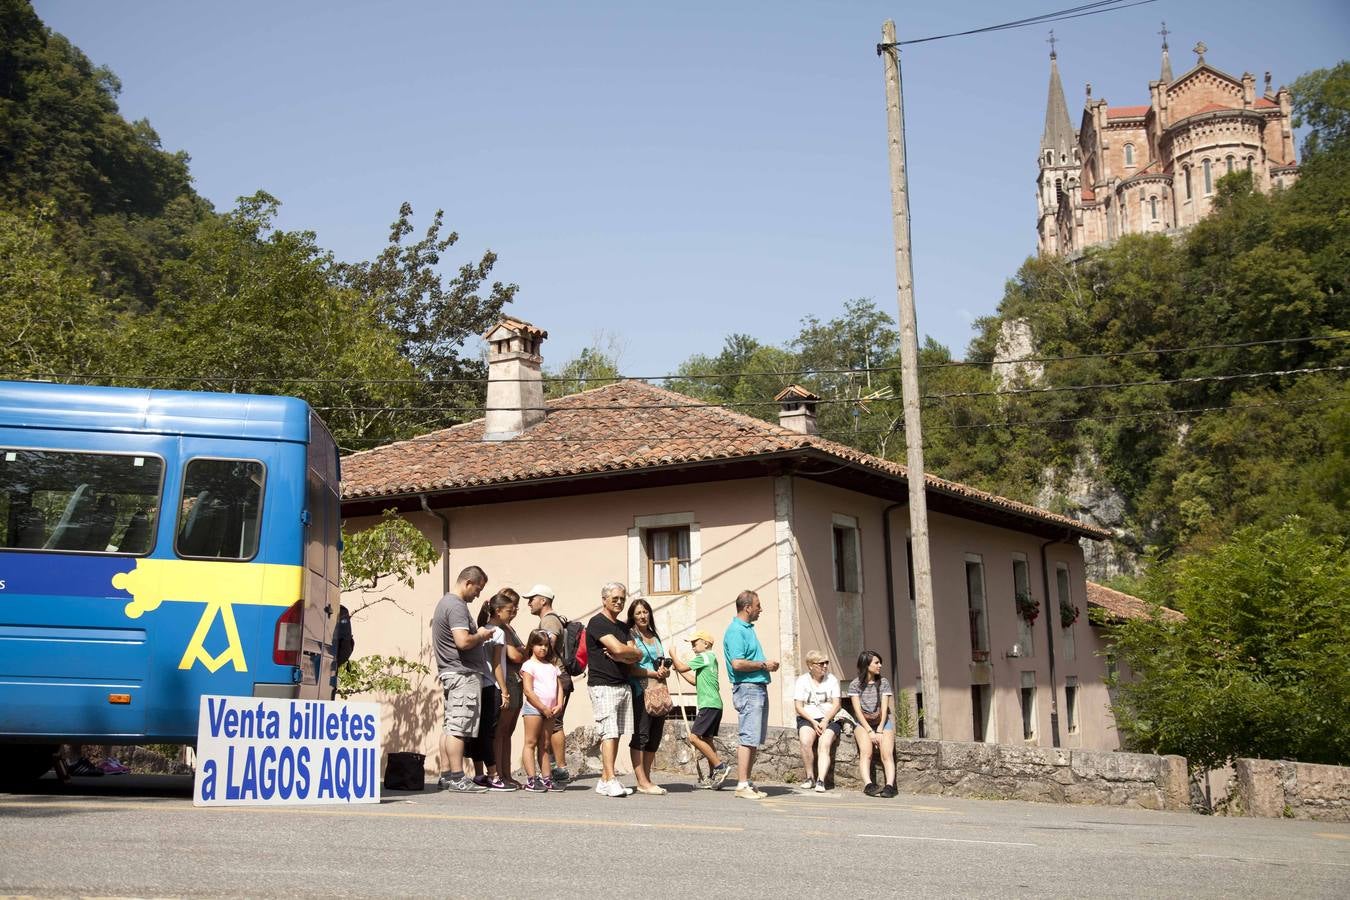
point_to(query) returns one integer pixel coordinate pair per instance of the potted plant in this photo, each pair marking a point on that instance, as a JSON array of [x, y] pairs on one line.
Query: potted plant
[[1028, 607], [1068, 614]]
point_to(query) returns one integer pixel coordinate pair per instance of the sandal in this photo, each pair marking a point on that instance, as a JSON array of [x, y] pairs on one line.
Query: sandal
[[655, 789]]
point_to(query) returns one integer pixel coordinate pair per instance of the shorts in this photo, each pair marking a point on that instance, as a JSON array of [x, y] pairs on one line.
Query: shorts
[[483, 748], [833, 725], [613, 705], [462, 702], [564, 682], [707, 722], [647, 729], [752, 710]]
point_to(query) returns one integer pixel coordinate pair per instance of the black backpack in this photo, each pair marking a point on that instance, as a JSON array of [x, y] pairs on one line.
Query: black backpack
[[572, 651]]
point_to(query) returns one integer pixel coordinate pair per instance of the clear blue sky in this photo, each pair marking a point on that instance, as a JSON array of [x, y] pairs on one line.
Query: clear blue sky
[[668, 173]]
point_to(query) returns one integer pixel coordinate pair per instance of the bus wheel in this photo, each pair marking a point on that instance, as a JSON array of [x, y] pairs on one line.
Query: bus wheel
[[23, 764]]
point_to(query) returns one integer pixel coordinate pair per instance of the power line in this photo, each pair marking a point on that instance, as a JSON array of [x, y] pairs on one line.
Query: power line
[[698, 404], [1028, 423], [703, 376], [1076, 12]]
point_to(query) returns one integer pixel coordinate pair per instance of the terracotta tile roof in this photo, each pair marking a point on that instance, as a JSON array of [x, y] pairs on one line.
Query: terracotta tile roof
[[1120, 606], [1089, 193], [1265, 103], [1211, 107], [1126, 112], [625, 426]]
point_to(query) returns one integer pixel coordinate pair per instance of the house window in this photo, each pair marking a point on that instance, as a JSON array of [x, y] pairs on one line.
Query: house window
[[979, 619], [1209, 177], [1065, 598], [663, 558], [1071, 702], [1187, 170], [668, 560], [979, 712], [1022, 588], [847, 559], [1153, 207], [1229, 163], [1129, 155], [1251, 162], [1028, 702]]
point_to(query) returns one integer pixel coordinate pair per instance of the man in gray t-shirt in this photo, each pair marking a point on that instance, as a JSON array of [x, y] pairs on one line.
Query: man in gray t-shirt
[[460, 653]]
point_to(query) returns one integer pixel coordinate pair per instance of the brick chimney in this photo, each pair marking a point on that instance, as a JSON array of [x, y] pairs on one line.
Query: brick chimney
[[797, 410], [515, 394]]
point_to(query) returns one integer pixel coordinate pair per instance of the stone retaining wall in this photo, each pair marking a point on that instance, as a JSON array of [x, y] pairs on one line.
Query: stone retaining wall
[[1278, 788], [985, 771]]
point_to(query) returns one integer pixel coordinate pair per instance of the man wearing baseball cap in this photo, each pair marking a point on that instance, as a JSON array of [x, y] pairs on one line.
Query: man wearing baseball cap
[[540, 597], [701, 672]]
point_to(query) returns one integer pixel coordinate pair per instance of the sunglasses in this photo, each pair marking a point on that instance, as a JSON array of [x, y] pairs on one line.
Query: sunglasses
[[822, 662]]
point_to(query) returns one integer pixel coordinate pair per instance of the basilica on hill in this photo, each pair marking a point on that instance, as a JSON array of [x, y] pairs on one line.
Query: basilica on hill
[[1153, 167]]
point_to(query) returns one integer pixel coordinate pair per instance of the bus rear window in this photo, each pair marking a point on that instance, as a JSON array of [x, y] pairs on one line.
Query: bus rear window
[[69, 501], [221, 509]]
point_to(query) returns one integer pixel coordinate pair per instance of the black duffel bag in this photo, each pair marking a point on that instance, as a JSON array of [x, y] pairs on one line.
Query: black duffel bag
[[404, 772]]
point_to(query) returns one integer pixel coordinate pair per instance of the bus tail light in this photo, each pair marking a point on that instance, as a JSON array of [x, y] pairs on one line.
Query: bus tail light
[[286, 643]]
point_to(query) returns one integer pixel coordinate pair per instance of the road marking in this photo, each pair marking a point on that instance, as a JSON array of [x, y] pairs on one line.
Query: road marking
[[807, 804], [344, 811], [1333, 836], [909, 837]]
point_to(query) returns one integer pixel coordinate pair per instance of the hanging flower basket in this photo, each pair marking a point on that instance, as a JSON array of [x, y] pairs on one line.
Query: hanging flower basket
[[1068, 614], [1028, 607]]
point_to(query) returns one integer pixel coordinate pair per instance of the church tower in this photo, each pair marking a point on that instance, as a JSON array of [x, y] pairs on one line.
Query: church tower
[[1058, 163]]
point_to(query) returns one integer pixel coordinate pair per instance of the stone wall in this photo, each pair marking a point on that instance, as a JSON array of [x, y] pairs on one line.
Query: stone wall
[[951, 768], [1278, 788]]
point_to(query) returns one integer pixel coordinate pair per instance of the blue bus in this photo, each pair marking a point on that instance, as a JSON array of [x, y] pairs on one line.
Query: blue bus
[[156, 546]]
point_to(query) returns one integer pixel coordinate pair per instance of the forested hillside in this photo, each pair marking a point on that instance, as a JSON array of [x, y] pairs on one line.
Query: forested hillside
[[115, 270]]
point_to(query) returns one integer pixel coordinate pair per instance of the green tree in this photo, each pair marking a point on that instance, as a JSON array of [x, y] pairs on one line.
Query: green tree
[[393, 550], [51, 321], [1260, 667]]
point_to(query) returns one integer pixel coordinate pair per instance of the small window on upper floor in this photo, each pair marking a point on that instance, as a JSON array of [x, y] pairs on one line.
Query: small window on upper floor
[[220, 512], [1129, 155], [1187, 171], [1209, 177], [668, 560], [1251, 163], [1049, 157], [847, 559], [1153, 207], [1229, 163]]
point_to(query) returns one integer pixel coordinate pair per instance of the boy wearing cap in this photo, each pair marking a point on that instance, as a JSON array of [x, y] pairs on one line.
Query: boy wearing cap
[[701, 672]]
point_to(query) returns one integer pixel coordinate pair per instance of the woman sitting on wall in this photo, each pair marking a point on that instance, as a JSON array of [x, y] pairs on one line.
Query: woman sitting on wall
[[872, 700], [816, 697]]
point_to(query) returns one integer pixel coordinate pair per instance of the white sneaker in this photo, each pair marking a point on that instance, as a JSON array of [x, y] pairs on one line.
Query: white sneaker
[[806, 785], [820, 787], [602, 787], [615, 789]]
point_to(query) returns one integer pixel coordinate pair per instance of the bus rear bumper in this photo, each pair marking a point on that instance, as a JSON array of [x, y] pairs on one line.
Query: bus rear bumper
[[278, 691]]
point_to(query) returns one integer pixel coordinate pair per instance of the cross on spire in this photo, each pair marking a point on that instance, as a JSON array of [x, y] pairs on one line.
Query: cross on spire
[[1164, 34], [1199, 50], [1052, 40]]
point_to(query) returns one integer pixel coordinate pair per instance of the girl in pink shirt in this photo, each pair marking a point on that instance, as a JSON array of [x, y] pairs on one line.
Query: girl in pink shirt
[[539, 677]]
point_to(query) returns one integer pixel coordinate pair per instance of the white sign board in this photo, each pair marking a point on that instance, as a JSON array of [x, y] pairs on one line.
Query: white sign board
[[255, 752]]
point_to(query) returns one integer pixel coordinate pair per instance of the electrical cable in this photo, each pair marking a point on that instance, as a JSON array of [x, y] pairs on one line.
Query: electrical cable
[[1076, 12]]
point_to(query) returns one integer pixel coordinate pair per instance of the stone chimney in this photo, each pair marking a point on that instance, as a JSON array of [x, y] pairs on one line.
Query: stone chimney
[[798, 409], [515, 394]]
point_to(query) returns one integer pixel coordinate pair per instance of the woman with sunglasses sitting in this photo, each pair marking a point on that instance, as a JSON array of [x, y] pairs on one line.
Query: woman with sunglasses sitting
[[816, 698]]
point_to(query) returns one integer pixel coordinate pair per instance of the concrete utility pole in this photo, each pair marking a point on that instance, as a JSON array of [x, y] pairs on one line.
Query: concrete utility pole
[[909, 387]]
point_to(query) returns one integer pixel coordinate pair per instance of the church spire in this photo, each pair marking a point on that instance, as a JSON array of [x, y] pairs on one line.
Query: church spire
[[1166, 60], [1059, 135]]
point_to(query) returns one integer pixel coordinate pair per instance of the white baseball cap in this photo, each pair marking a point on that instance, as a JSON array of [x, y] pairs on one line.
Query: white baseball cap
[[540, 590]]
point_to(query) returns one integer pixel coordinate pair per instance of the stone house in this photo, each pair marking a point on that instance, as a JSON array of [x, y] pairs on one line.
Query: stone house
[[689, 503], [1153, 167]]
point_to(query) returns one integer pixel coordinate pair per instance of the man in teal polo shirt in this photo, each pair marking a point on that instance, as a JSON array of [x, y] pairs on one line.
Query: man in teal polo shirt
[[748, 671]]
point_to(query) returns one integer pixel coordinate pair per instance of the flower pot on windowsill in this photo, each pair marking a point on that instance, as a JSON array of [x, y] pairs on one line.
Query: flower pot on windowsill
[[979, 656]]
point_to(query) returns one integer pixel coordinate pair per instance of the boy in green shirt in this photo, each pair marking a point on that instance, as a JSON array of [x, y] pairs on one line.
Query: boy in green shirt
[[701, 672]]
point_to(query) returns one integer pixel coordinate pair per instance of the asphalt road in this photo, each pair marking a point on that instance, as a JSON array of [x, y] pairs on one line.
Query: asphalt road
[[141, 836]]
